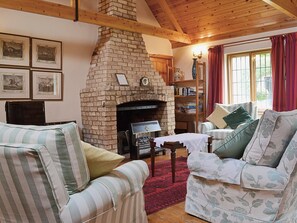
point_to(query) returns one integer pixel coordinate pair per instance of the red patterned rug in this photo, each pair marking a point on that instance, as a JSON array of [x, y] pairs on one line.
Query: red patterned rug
[[159, 191]]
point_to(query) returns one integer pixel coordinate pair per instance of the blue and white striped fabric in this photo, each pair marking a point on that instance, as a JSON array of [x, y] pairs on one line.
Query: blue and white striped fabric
[[113, 198], [30, 187], [63, 143]]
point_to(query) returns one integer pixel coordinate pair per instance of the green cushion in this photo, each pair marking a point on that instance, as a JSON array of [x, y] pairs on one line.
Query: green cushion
[[234, 144], [237, 117]]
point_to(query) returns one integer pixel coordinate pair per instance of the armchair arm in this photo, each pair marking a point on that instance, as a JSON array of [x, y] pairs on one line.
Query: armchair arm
[[263, 178], [206, 126]]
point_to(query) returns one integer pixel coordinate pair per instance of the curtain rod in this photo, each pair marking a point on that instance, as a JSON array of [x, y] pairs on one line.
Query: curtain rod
[[254, 40]]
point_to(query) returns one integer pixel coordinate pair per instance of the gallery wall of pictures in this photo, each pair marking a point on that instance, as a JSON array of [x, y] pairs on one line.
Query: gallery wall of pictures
[[30, 68]]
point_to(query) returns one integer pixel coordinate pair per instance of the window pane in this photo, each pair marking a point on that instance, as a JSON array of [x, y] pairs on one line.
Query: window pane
[[240, 71], [263, 81]]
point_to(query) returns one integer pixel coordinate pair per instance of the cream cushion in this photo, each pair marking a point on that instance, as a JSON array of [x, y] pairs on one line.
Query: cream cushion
[[100, 161], [216, 117]]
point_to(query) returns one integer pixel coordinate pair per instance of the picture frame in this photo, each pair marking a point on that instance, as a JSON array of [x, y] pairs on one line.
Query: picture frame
[[14, 50], [46, 54], [14, 83], [122, 80], [47, 85]]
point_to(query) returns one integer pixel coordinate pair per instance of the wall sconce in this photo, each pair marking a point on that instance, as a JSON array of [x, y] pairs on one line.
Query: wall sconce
[[197, 55], [197, 52]]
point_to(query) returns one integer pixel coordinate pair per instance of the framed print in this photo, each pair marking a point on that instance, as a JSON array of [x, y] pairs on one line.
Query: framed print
[[46, 54], [47, 85], [14, 83], [122, 79], [14, 50]]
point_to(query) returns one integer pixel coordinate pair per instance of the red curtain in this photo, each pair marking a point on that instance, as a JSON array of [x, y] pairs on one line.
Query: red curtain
[[278, 76], [291, 71], [215, 77]]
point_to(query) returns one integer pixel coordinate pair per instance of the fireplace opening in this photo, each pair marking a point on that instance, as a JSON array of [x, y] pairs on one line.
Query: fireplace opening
[[136, 112]]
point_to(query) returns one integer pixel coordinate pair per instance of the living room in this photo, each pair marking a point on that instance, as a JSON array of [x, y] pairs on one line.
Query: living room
[[79, 41]]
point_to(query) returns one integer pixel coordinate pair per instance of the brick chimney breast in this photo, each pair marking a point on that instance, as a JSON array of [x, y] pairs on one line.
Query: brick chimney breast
[[119, 51]]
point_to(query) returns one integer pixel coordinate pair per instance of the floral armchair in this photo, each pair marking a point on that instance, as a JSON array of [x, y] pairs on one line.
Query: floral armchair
[[259, 187]]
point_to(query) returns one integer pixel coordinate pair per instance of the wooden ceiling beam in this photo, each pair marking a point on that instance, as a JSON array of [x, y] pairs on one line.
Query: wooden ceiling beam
[[165, 7], [285, 6], [100, 19]]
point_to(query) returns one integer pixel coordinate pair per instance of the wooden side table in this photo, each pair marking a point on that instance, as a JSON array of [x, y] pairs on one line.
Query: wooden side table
[[172, 146]]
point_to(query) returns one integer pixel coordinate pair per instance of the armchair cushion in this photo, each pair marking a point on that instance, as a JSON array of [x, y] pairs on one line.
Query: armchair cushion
[[237, 117], [63, 144], [211, 167], [28, 177], [234, 144], [100, 161], [274, 131], [263, 178], [216, 117]]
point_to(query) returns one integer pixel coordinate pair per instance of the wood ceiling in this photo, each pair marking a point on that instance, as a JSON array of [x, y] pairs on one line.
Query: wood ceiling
[[210, 20], [182, 21]]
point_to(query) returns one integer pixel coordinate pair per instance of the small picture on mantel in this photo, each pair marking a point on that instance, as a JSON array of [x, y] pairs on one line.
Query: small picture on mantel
[[122, 80]]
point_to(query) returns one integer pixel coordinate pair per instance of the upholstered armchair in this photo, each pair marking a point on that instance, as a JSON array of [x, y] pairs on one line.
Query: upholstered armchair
[[218, 134], [45, 176], [259, 187]]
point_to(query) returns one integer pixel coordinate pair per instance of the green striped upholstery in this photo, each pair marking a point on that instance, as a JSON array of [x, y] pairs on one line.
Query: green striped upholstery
[[113, 198], [30, 187], [63, 143]]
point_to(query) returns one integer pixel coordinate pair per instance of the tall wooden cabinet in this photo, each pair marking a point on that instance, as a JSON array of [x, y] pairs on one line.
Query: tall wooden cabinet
[[190, 101]]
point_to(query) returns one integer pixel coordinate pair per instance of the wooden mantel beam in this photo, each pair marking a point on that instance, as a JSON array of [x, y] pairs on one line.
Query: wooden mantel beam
[[285, 6], [100, 19], [165, 7]]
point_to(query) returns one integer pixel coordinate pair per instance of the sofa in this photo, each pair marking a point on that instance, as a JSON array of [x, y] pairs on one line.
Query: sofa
[[218, 134], [261, 186], [44, 177]]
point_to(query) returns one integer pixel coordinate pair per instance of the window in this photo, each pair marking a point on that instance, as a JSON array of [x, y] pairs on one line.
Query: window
[[249, 78]]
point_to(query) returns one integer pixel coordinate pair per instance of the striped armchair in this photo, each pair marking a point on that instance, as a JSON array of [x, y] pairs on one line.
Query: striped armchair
[[44, 178], [219, 134]]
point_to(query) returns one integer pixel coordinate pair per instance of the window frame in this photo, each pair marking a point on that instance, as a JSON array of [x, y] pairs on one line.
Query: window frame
[[252, 58]]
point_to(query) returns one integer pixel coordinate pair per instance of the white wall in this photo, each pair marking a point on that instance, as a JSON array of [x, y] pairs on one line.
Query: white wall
[[79, 40], [154, 45]]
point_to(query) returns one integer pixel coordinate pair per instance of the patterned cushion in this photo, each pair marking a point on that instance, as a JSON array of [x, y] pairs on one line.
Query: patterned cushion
[[64, 146], [216, 117], [31, 189], [274, 131]]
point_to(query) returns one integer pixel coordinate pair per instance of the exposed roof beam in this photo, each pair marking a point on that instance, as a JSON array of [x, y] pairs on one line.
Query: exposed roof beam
[[168, 12], [67, 12], [285, 6]]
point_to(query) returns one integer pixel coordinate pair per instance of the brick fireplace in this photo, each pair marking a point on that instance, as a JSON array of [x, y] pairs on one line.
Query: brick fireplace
[[121, 52]]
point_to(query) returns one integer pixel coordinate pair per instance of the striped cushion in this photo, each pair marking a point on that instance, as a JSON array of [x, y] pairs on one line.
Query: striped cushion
[[64, 146], [30, 187], [107, 194]]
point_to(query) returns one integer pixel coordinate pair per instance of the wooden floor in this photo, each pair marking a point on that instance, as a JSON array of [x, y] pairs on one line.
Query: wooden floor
[[175, 213]]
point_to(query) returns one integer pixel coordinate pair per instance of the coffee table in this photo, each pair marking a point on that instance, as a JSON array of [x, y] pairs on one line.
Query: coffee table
[[173, 142]]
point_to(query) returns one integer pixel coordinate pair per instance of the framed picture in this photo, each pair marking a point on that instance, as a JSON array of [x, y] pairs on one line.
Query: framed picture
[[46, 54], [122, 79], [47, 85], [14, 83], [14, 50]]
